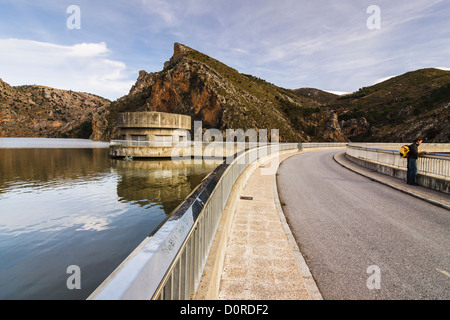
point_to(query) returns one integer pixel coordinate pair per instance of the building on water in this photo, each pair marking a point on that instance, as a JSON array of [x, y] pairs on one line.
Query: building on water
[[149, 134]]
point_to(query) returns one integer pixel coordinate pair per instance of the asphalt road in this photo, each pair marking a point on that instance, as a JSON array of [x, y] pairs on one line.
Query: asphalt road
[[361, 239]]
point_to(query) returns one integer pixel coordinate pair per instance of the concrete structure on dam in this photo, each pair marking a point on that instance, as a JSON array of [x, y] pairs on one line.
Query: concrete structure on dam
[[157, 127], [149, 134], [166, 135]]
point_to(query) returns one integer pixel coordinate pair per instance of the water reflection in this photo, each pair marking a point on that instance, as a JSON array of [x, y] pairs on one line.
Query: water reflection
[[48, 168], [159, 182], [60, 207]]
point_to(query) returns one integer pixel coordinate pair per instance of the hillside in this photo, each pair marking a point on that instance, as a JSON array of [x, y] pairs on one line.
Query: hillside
[[38, 111], [316, 94], [415, 104], [195, 84], [399, 109]]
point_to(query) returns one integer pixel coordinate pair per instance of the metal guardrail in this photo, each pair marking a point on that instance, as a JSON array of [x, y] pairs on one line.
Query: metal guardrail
[[135, 143], [430, 163], [172, 143], [322, 145], [170, 262], [395, 144]]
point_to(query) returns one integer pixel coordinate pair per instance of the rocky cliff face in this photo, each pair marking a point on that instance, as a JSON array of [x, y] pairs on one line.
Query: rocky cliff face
[[38, 111], [222, 98]]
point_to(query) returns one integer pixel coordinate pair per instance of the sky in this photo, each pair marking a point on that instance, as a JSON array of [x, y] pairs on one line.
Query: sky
[[99, 46]]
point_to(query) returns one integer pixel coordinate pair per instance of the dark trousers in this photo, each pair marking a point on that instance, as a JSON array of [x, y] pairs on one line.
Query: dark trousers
[[412, 171]]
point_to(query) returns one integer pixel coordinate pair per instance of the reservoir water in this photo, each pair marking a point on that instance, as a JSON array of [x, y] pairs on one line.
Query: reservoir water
[[65, 202]]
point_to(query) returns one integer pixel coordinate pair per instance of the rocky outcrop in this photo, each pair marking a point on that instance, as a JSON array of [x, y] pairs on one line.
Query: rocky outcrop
[[179, 51], [333, 131], [354, 127]]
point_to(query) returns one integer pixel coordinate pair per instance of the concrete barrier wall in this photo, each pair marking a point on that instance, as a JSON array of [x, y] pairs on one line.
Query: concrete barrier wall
[[153, 120]]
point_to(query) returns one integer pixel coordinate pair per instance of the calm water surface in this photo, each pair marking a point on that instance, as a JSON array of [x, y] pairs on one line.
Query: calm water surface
[[67, 203]]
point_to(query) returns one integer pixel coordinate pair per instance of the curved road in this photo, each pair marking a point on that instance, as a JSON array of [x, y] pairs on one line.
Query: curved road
[[361, 239]]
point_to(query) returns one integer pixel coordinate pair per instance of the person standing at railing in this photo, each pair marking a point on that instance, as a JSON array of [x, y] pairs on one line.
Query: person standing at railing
[[413, 154]]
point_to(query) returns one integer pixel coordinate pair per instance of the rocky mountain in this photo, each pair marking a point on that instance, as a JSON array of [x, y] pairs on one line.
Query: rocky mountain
[[195, 84], [38, 111], [192, 83]]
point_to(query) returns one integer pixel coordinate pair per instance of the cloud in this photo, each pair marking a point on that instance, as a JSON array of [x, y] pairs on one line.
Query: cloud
[[163, 10], [290, 43], [296, 43], [330, 47], [81, 67], [88, 50]]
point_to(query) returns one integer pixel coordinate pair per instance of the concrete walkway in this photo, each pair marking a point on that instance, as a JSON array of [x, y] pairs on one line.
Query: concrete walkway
[[262, 260]]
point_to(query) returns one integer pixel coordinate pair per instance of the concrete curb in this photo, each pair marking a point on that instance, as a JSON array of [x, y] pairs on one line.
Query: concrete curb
[[437, 203], [310, 283]]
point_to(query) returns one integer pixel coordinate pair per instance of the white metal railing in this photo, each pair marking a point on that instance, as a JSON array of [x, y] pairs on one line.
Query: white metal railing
[[430, 163], [169, 264], [322, 145], [135, 143], [173, 143]]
